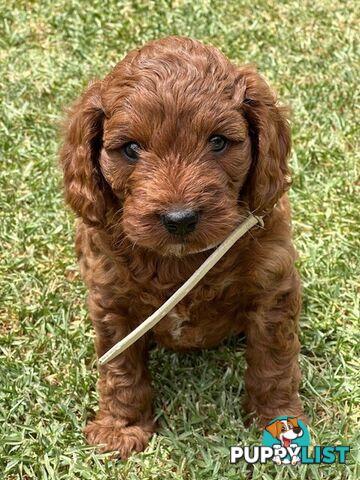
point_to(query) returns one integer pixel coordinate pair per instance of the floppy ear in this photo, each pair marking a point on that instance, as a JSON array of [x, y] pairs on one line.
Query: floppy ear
[[269, 175], [274, 428], [85, 188]]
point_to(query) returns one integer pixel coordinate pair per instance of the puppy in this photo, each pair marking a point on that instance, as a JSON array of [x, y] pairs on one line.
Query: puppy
[[162, 160]]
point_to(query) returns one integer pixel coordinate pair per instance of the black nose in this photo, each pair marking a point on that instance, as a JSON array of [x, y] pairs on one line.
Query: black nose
[[180, 222]]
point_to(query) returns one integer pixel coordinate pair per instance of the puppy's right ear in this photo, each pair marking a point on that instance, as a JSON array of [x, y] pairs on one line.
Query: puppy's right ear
[[85, 188]]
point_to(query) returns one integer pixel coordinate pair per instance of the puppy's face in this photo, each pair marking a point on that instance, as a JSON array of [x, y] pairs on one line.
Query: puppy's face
[[174, 147], [176, 152]]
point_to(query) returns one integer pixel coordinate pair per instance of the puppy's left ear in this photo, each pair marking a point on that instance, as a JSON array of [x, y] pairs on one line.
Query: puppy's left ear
[[269, 175]]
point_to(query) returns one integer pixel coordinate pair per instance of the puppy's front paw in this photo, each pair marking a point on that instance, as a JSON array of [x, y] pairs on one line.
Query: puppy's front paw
[[122, 440]]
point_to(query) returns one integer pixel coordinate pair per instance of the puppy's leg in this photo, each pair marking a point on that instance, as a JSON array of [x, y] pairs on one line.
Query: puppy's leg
[[273, 375], [124, 420]]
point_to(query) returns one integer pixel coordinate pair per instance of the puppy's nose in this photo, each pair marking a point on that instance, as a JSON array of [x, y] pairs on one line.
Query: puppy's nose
[[180, 222]]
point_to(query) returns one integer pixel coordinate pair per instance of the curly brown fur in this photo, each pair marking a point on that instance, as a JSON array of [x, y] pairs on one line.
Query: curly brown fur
[[170, 97]]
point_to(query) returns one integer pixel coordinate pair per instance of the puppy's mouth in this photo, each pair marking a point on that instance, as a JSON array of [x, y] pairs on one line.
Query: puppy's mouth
[[169, 245], [210, 247], [184, 247], [175, 246], [167, 238]]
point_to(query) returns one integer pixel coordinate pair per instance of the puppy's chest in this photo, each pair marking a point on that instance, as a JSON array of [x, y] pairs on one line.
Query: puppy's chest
[[201, 320], [177, 321]]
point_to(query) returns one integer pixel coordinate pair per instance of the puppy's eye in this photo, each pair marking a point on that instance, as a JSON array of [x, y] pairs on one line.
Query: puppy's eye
[[131, 150], [218, 143]]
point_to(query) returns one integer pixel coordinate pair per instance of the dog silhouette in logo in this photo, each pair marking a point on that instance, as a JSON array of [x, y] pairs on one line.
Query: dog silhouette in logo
[[285, 431]]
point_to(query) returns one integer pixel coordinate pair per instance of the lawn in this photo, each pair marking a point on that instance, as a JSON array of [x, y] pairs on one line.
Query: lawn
[[49, 50]]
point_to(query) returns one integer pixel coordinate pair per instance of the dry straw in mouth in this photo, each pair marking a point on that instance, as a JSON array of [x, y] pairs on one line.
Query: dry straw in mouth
[[195, 278]]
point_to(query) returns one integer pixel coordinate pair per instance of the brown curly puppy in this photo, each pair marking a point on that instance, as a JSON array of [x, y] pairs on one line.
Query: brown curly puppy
[[162, 160]]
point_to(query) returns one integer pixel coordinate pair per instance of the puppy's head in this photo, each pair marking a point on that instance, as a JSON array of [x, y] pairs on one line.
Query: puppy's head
[[174, 147]]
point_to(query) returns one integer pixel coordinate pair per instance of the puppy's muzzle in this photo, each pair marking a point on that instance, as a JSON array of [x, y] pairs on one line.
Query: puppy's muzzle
[[180, 222]]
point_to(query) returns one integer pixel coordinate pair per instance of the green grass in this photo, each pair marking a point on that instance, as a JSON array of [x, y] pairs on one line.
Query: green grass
[[48, 52]]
